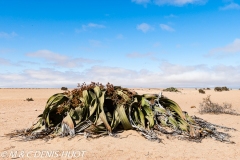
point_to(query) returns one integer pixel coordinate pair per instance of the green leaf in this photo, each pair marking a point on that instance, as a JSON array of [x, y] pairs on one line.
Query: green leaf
[[105, 122], [142, 118], [147, 111], [144, 102], [183, 125], [160, 110], [115, 120], [174, 107], [123, 117], [123, 95], [97, 91], [100, 102], [52, 104], [150, 96], [173, 121], [52, 98]]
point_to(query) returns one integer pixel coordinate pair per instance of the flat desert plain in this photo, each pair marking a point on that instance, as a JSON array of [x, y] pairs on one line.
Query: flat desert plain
[[16, 113]]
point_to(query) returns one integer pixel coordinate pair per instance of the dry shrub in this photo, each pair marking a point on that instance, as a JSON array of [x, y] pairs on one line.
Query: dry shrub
[[201, 91], [29, 99], [64, 88], [207, 106], [171, 89], [225, 88], [220, 89]]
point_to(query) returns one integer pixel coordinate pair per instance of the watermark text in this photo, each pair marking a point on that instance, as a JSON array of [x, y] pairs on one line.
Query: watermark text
[[43, 154]]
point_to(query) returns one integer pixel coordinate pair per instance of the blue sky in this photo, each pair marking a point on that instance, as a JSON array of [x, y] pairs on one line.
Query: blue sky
[[132, 43]]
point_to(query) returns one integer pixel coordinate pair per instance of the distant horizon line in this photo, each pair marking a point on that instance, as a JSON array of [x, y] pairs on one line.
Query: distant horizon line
[[122, 87]]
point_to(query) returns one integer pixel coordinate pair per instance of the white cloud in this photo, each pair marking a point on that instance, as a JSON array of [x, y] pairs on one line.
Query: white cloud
[[230, 6], [170, 2], [166, 28], [231, 48], [168, 75], [178, 45], [179, 2], [171, 16], [88, 26], [144, 27], [141, 1], [138, 55], [27, 63], [45, 77], [95, 43], [60, 60], [156, 44], [5, 50], [120, 36], [7, 35], [201, 75], [94, 25], [142, 55], [4, 62]]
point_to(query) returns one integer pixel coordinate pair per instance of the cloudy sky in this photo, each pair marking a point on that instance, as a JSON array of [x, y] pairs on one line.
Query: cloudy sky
[[132, 43]]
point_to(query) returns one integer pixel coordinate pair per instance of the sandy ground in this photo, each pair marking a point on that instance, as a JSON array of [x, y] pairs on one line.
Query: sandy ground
[[15, 113]]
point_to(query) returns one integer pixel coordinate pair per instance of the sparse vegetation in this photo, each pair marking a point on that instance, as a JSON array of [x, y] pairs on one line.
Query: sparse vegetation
[[29, 99], [171, 89], [64, 88], [225, 89], [220, 89], [96, 110], [201, 91], [207, 106]]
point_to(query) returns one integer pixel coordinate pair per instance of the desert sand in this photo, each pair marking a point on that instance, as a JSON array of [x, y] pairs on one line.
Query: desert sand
[[16, 113]]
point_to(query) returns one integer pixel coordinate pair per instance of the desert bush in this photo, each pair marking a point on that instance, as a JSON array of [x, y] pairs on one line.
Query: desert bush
[[64, 88], [206, 89], [220, 89], [29, 99], [207, 106], [171, 89], [225, 88], [201, 91]]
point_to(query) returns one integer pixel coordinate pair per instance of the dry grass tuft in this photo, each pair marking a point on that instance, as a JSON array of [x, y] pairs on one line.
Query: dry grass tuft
[[207, 106]]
